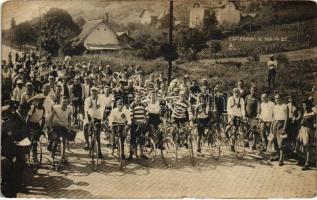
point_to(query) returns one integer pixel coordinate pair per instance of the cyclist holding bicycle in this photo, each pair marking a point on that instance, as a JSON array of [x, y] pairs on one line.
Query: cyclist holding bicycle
[[236, 111], [139, 126], [202, 115], [181, 112], [35, 122], [60, 123], [251, 111], [120, 117], [93, 111]]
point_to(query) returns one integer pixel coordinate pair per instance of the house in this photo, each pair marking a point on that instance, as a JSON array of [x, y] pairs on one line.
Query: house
[[226, 11], [98, 35], [147, 17]]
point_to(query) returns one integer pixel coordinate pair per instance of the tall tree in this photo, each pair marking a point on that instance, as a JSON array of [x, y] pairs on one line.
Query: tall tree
[[58, 28], [190, 42]]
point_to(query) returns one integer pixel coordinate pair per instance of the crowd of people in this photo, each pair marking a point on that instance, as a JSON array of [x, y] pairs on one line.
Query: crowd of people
[[40, 94]]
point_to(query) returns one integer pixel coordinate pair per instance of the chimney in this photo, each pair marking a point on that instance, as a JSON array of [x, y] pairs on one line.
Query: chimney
[[106, 18]]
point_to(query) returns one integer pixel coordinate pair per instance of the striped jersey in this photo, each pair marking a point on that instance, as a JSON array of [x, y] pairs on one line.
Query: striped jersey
[[138, 112], [181, 109]]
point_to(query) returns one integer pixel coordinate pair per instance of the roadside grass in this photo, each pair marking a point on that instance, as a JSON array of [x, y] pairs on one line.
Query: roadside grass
[[296, 78], [288, 37]]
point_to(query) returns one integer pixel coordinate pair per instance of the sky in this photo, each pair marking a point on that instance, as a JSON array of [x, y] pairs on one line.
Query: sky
[[23, 10]]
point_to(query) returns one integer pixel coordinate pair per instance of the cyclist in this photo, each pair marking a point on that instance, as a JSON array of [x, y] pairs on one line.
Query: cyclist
[[106, 100], [306, 133], [18, 91], [28, 94], [35, 122], [77, 99], [60, 123], [278, 128], [266, 117], [236, 111], [130, 90], [120, 116], [181, 112], [220, 102], [153, 110], [57, 95], [139, 117], [93, 113], [202, 116], [251, 111]]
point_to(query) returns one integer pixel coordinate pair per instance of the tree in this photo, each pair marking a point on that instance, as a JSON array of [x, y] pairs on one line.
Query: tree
[[210, 28], [80, 21], [190, 42], [58, 29], [169, 52], [215, 47]]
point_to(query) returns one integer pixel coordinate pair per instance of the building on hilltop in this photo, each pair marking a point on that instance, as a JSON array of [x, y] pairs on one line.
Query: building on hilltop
[[98, 35], [227, 13]]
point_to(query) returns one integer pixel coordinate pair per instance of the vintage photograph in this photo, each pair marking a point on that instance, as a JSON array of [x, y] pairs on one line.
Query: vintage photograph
[[158, 99]]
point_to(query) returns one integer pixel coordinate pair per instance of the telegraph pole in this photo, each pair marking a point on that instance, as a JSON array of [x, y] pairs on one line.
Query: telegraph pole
[[170, 41]]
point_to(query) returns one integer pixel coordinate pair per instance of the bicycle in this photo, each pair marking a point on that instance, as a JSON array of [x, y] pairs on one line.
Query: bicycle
[[58, 151], [93, 144], [117, 142], [252, 134], [148, 148], [36, 154], [235, 137], [181, 137], [212, 139], [169, 148]]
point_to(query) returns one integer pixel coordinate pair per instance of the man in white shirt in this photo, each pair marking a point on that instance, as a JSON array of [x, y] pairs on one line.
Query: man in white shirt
[[60, 122], [266, 117], [236, 111], [120, 122], [106, 101], [278, 128], [93, 113], [18, 91]]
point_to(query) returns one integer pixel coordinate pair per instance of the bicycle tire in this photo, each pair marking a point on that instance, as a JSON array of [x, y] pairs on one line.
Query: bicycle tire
[[119, 153], [57, 155], [191, 149], [149, 149], [95, 154], [239, 146], [169, 154], [39, 152], [214, 145]]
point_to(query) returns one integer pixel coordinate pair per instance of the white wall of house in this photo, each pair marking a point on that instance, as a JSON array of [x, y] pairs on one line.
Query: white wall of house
[[228, 15], [146, 18], [196, 17], [102, 35]]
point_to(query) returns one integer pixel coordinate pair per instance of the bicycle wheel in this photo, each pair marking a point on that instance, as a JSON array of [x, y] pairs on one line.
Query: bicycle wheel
[[119, 153], [214, 144], [239, 146], [191, 149], [169, 151], [149, 149], [57, 154], [95, 155]]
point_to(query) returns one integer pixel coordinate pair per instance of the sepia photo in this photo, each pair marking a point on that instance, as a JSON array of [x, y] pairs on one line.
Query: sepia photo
[[158, 99]]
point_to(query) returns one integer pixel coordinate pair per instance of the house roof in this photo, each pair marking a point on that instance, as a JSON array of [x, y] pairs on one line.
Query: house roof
[[152, 13], [88, 27], [95, 43]]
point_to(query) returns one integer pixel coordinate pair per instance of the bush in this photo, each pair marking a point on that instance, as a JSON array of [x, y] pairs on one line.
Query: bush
[[281, 58]]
